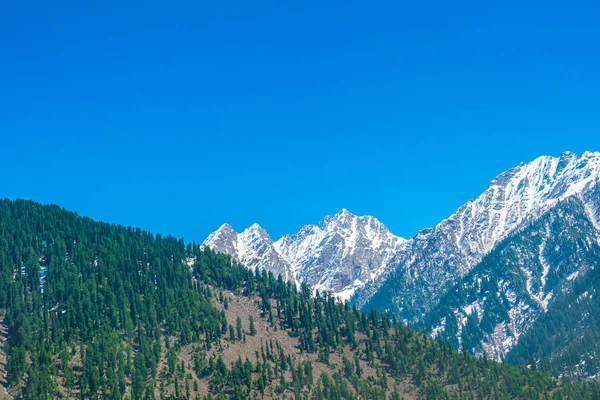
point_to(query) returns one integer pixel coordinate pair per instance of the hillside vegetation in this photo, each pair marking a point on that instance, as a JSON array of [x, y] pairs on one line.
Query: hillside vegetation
[[94, 310]]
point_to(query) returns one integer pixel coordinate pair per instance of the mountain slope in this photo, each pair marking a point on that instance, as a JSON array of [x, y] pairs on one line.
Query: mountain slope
[[502, 297], [566, 339]]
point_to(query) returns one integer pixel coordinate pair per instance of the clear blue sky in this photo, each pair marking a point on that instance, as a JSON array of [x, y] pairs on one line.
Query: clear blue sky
[[179, 116]]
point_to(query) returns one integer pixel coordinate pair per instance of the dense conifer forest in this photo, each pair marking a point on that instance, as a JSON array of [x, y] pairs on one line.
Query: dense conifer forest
[[94, 310]]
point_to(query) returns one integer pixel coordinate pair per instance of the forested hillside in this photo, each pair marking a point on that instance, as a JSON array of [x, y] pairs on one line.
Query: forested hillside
[[94, 310], [87, 303]]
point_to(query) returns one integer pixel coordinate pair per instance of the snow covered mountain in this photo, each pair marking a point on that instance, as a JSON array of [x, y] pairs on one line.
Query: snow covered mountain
[[359, 257], [252, 248], [340, 254], [436, 258]]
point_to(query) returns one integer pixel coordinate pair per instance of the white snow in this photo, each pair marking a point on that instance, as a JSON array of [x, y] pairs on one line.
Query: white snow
[[439, 329], [190, 262], [574, 275], [545, 265]]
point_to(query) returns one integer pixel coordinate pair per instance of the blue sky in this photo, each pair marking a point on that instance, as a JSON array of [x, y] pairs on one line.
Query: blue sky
[[179, 116]]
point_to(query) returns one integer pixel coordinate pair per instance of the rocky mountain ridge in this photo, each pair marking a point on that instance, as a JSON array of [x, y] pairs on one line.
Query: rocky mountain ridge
[[359, 257], [437, 258], [339, 254]]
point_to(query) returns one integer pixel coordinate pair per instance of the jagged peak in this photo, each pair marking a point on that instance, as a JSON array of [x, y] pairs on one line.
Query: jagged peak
[[341, 215], [548, 165], [225, 228], [223, 239], [228, 229], [586, 154], [225, 231], [255, 229], [344, 215], [344, 212], [591, 154]]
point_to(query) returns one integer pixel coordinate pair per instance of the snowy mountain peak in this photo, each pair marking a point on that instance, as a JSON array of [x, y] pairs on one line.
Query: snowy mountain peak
[[521, 194], [224, 239], [346, 221], [339, 254], [253, 247], [256, 230], [590, 154], [340, 218], [255, 227], [224, 229]]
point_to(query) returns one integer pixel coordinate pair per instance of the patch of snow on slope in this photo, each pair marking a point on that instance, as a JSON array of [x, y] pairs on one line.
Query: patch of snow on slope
[[574, 275]]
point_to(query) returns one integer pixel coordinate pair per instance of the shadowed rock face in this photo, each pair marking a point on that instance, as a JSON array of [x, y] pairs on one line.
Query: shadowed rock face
[[359, 257]]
